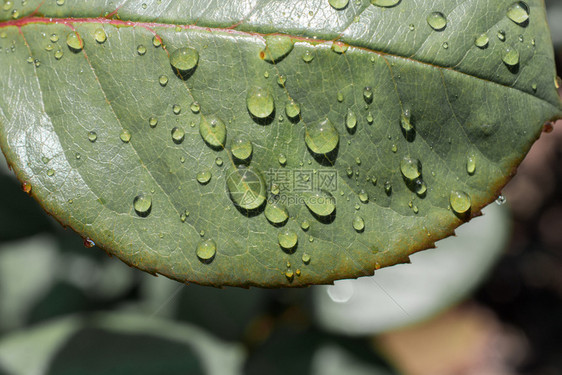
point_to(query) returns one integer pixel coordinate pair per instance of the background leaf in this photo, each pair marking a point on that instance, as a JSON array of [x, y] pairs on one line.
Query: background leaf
[[121, 145]]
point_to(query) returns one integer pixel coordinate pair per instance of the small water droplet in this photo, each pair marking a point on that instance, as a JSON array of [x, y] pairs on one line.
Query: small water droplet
[[437, 21], [142, 205], [412, 27], [88, 242], [184, 59], [388, 188], [92, 136], [195, 107], [218, 161], [307, 57], [501, 200], [282, 159], [368, 94], [445, 45], [358, 223], [287, 240], [421, 187], [339, 47], [292, 109], [350, 121], [206, 251], [203, 177], [305, 225], [518, 12], [482, 41], [54, 38], [281, 79], [276, 213], [410, 168], [74, 42], [363, 196], [8, 4], [242, 149], [305, 258], [260, 102], [163, 80], [321, 203], [276, 48], [50, 172], [176, 108], [153, 121], [156, 41], [460, 202], [247, 187], [501, 35], [394, 148], [338, 4], [100, 36], [406, 124], [58, 54], [471, 164], [385, 3], [178, 135], [321, 137], [125, 136], [213, 131], [510, 57]]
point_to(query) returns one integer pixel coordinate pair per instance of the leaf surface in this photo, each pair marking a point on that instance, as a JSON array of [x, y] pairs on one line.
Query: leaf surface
[[270, 143]]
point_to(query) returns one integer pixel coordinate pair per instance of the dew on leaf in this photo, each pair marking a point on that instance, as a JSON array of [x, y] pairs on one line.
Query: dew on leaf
[[125, 136], [178, 135], [242, 149], [50, 172], [100, 36], [368, 94], [282, 159], [482, 41], [142, 205], [287, 240], [203, 177], [281, 79], [518, 12], [305, 258], [358, 223], [184, 59], [437, 21], [74, 42], [92, 136], [292, 109], [246, 187], [153, 121], [350, 121], [156, 41], [501, 35], [385, 3], [176, 108], [305, 225], [260, 102], [276, 213], [410, 168], [163, 80], [54, 38], [388, 187], [338, 4], [213, 131], [500, 201], [510, 57], [195, 107], [460, 202], [322, 203], [321, 137], [421, 187], [363, 196], [307, 56], [58, 54], [289, 275], [206, 251], [339, 47], [276, 48], [471, 164]]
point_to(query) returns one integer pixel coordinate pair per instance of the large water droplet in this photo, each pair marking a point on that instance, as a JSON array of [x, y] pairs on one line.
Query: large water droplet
[[363, 196], [163, 80], [184, 59], [260, 102], [321, 203], [406, 125], [92, 136], [292, 109], [482, 41], [204, 177], [410, 168], [247, 187], [142, 205], [338, 4], [510, 57], [125, 136], [74, 42], [321, 137], [385, 3], [178, 135], [213, 131], [437, 21], [518, 12], [276, 48], [276, 213], [287, 240], [350, 121], [242, 149], [206, 251], [358, 223], [460, 202], [100, 36]]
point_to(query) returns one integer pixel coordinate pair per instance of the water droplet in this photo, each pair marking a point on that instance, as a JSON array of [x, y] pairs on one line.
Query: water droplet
[[305, 258], [74, 42], [305, 225], [358, 223], [287, 240], [50, 172], [501, 35], [125, 136], [339, 47], [8, 4], [351, 121], [292, 109], [178, 135], [460, 202], [482, 41], [501, 200], [213, 131], [445, 45], [437, 21], [184, 59], [289, 275], [518, 12], [100, 36], [410, 168], [92, 136], [385, 3], [153, 121], [276, 48], [388, 188], [412, 27], [368, 94], [142, 205], [406, 124], [87, 241], [394, 148], [58, 54], [282, 159], [281, 80], [260, 102], [471, 164], [510, 57], [338, 4], [321, 137], [421, 187], [60, 2], [54, 38], [321, 203], [195, 107], [307, 57], [247, 187], [15, 13], [242, 149], [37, 63], [206, 251], [363, 196], [49, 47], [276, 213], [163, 80], [203, 177], [156, 41], [176, 108]]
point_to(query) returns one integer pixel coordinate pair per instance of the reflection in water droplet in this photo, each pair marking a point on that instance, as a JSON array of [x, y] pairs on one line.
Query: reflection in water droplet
[[142, 205], [203, 177], [276, 213], [247, 187], [385, 3], [358, 223], [92, 136], [206, 251], [156, 41], [292, 109], [321, 137], [410, 168], [125, 136], [338, 4], [518, 12], [184, 59], [287, 240], [437, 21], [99, 35], [213, 131], [482, 41], [178, 135], [260, 102], [321, 203], [74, 42], [460, 202], [341, 291], [242, 149]]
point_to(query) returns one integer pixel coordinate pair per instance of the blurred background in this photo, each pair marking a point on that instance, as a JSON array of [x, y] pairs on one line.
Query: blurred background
[[487, 302]]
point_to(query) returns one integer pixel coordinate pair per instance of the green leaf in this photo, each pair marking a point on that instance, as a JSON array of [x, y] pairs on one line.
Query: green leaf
[[162, 130]]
